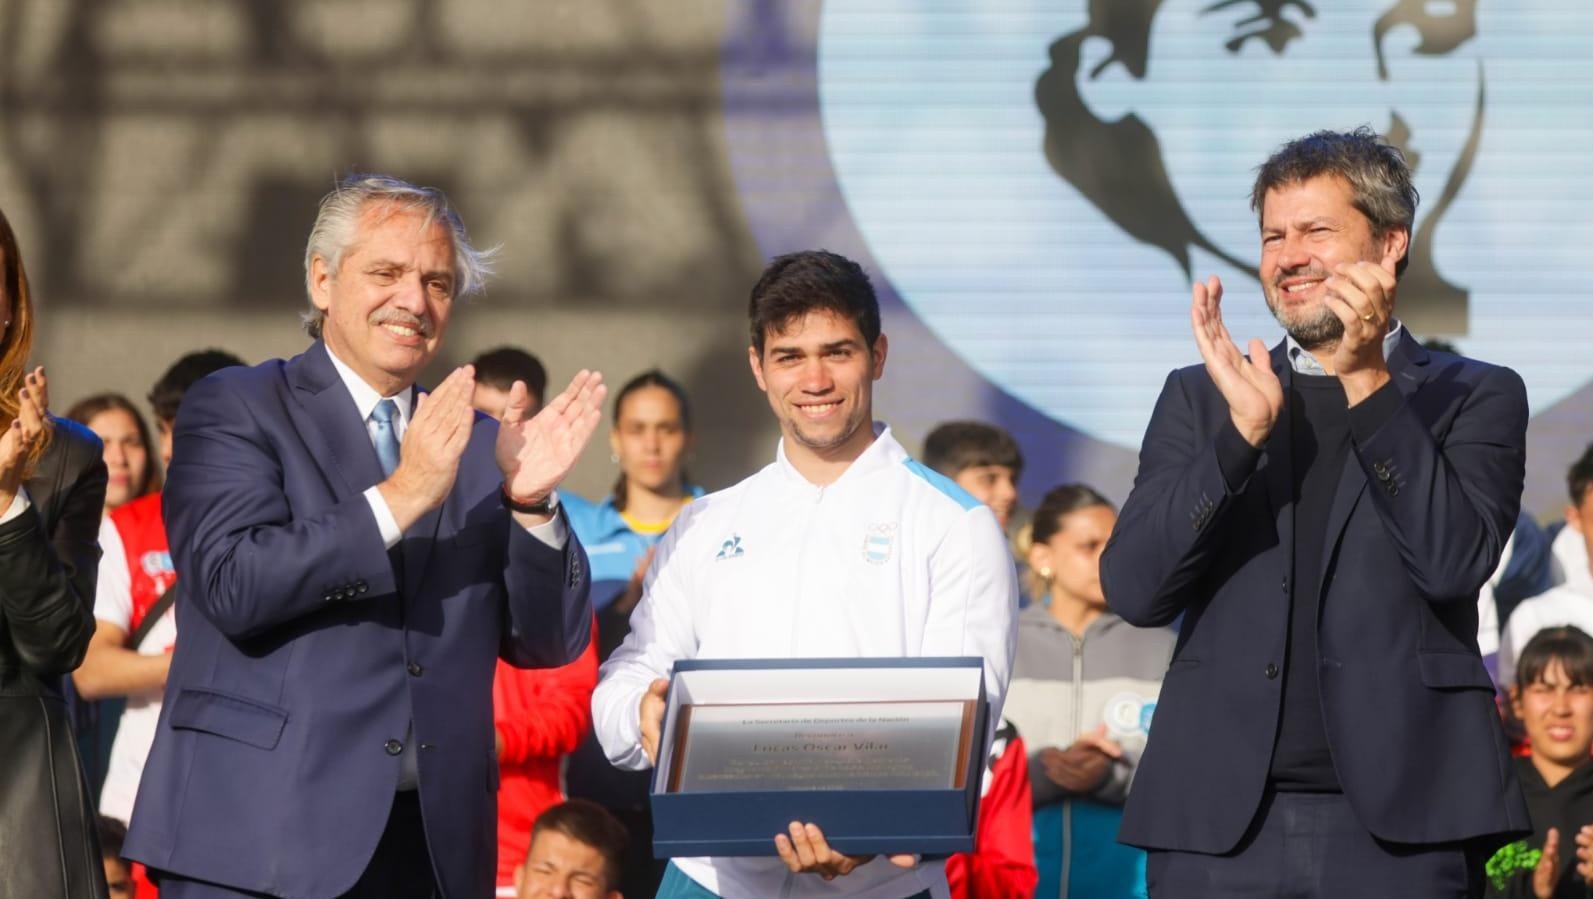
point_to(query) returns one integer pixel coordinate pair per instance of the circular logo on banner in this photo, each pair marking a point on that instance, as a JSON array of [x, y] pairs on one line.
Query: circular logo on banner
[[1128, 714], [1042, 181]]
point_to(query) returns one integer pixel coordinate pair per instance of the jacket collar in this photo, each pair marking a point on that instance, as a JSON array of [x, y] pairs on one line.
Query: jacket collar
[[1407, 361], [883, 452]]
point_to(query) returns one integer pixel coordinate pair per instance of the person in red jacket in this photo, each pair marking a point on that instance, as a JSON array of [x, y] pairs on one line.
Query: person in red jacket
[[1002, 863], [541, 715]]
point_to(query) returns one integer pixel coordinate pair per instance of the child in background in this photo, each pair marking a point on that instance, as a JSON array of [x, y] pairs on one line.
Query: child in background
[[1553, 698]]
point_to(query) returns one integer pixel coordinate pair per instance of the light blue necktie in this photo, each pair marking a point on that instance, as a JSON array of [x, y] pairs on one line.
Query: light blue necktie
[[385, 435]]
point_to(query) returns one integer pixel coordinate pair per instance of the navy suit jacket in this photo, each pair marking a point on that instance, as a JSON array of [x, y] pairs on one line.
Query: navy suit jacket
[[307, 648], [1422, 510]]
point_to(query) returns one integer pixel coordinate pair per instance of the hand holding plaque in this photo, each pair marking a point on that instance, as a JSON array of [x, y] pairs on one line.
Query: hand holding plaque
[[652, 715], [805, 851]]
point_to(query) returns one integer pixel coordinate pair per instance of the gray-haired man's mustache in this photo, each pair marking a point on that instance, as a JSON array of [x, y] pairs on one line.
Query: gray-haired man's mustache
[[398, 317]]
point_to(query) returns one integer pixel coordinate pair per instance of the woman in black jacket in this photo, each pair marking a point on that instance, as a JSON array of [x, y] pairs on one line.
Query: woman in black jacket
[[52, 485]]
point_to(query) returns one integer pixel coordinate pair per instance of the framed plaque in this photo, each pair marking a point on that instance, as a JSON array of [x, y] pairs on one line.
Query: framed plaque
[[915, 745], [884, 755]]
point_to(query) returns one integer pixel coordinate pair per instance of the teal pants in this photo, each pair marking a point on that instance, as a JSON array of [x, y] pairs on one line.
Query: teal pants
[[677, 885]]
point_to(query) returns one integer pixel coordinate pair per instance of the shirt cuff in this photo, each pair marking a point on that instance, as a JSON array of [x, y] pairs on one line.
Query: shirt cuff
[[385, 522], [552, 532], [1370, 414], [19, 504], [1236, 458]]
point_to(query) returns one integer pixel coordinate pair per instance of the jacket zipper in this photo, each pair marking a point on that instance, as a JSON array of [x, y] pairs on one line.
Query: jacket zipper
[[1078, 731], [802, 551]]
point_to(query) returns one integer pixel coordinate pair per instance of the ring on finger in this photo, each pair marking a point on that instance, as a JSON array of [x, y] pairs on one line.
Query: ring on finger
[[1367, 317]]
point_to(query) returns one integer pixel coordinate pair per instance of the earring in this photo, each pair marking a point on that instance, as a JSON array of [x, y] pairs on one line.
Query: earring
[[1045, 575]]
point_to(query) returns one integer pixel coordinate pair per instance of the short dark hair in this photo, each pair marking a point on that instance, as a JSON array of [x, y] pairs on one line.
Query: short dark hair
[[167, 394], [1060, 502], [505, 365], [587, 822], [957, 445], [798, 283], [86, 408], [1579, 479], [1376, 171], [113, 834], [1570, 646]]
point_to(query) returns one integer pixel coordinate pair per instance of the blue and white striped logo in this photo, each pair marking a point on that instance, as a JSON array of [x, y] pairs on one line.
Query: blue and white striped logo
[[879, 543]]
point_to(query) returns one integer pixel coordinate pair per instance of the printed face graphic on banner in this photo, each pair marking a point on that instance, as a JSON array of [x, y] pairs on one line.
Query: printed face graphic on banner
[[1232, 79], [1041, 181]]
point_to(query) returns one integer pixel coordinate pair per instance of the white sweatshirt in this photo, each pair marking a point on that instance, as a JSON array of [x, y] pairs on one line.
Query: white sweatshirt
[[891, 559]]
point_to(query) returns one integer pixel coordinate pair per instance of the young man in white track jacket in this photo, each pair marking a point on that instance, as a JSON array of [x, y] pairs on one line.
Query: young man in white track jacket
[[844, 546]]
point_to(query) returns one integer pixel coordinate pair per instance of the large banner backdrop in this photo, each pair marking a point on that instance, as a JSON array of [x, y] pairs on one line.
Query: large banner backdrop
[[1036, 183]]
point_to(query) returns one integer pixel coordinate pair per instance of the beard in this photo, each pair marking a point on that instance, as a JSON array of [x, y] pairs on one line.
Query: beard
[[1310, 328]]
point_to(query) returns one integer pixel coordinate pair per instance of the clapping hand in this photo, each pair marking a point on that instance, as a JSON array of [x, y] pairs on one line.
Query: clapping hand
[[1248, 384], [1361, 294], [19, 439], [633, 588], [1584, 854], [1543, 876], [536, 453], [428, 459]]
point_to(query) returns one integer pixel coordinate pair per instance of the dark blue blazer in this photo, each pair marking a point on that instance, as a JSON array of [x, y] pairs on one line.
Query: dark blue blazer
[[1421, 514], [307, 648]]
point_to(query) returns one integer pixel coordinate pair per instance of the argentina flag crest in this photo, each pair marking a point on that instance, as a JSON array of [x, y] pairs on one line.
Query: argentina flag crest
[[879, 543]]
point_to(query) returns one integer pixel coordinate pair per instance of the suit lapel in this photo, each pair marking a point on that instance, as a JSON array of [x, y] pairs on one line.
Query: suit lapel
[[1407, 367], [1277, 462], [336, 433]]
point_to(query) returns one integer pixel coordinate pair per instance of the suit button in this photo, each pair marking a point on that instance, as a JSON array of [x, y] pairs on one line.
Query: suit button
[[394, 747], [1285, 585], [415, 670], [360, 588], [1272, 671], [1393, 490]]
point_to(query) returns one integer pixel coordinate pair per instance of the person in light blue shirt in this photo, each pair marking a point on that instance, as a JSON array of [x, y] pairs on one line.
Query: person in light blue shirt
[[650, 441]]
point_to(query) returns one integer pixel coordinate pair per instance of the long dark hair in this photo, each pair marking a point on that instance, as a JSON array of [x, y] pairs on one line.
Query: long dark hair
[[17, 341], [650, 378], [85, 409]]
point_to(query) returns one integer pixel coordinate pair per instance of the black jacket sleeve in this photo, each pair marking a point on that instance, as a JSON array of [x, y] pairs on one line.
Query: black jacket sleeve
[[49, 556]]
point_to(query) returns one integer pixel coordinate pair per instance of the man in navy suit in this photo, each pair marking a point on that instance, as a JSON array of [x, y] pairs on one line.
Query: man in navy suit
[[355, 555], [1322, 517]]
